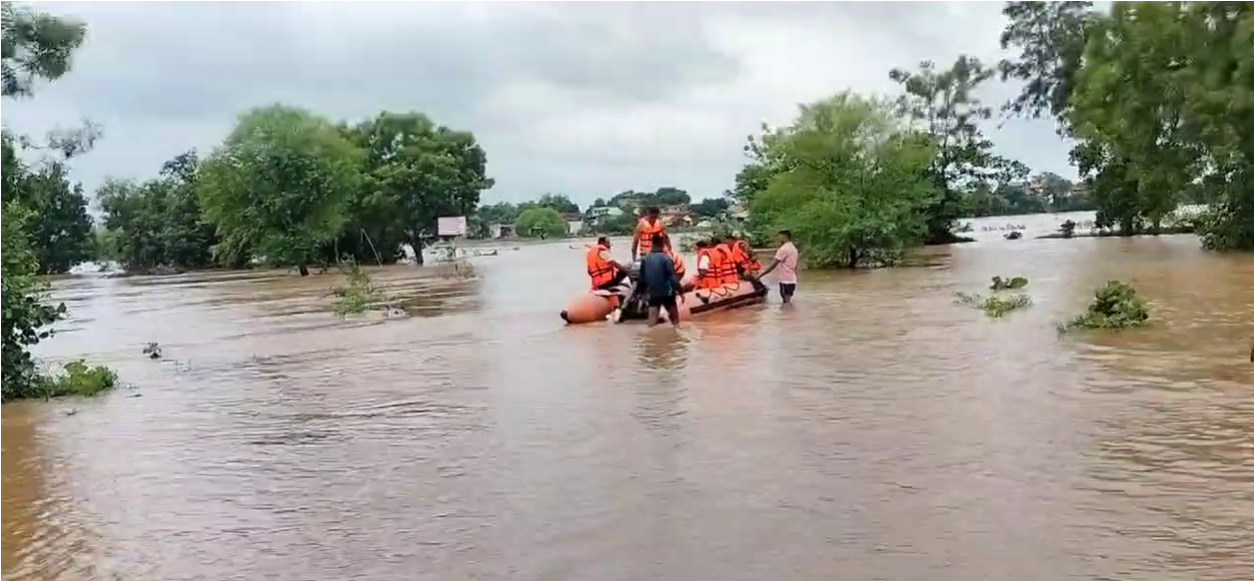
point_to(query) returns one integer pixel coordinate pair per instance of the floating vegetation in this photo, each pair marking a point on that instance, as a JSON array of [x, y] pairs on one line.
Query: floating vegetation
[[1014, 283], [77, 378], [358, 294], [153, 350], [995, 306], [1116, 305]]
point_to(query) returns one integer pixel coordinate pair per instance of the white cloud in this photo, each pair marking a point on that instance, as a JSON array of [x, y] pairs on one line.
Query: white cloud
[[582, 98]]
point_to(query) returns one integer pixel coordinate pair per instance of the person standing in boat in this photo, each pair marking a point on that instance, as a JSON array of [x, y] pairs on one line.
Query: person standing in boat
[[786, 259], [648, 227], [659, 282]]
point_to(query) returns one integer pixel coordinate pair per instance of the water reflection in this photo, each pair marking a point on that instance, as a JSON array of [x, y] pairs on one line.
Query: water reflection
[[871, 430]]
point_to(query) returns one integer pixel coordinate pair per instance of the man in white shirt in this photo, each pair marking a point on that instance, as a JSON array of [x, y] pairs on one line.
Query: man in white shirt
[[786, 259]]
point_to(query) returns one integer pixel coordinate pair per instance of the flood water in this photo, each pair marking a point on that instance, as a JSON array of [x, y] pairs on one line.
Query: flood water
[[873, 430]]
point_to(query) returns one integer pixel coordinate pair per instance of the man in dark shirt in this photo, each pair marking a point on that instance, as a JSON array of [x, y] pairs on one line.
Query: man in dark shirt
[[659, 282]]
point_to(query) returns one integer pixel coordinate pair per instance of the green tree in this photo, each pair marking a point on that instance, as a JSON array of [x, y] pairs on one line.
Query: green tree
[[540, 222], [158, 223], [36, 45], [280, 183], [945, 106], [415, 173], [559, 202], [859, 186], [1050, 39], [60, 230], [1214, 38]]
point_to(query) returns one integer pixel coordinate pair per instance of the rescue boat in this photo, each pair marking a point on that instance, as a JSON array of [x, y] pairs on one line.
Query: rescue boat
[[597, 305]]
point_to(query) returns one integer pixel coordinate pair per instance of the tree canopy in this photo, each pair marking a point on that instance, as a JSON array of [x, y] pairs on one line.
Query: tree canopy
[[858, 190]]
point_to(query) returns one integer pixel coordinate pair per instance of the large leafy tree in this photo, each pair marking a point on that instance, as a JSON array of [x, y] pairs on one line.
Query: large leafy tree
[[540, 222], [159, 223], [559, 202], [415, 173], [36, 46], [59, 228], [944, 105], [280, 184], [858, 189]]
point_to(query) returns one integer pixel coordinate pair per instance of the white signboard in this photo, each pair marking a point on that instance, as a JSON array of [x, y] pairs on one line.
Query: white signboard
[[452, 226]]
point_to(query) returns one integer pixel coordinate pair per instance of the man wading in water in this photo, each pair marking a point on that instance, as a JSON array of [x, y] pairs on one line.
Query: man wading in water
[[659, 282]]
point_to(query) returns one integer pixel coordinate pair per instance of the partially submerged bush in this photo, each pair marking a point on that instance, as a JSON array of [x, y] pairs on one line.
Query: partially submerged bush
[[994, 306], [1115, 306], [1014, 283], [77, 378], [997, 305], [357, 294], [153, 350]]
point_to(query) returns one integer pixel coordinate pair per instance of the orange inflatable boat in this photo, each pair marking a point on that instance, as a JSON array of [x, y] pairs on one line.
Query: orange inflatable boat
[[597, 305]]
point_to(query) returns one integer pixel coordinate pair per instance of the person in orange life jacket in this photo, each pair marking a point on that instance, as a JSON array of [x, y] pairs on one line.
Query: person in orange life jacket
[[649, 225], [725, 269], [605, 272], [712, 264], [746, 263]]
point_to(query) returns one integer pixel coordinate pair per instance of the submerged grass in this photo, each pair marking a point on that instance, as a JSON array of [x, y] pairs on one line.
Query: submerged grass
[[357, 294], [1116, 305], [995, 306], [77, 378], [998, 305]]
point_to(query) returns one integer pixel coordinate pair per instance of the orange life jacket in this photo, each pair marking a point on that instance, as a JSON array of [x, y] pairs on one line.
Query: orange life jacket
[[680, 268], [599, 269], [709, 278], [726, 269], [745, 257], [644, 235]]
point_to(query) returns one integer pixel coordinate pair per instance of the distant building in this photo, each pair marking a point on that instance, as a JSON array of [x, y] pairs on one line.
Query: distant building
[[501, 231]]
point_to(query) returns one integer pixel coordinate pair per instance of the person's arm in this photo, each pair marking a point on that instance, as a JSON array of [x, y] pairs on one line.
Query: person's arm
[[608, 257], [779, 257], [635, 243], [703, 264], [769, 268]]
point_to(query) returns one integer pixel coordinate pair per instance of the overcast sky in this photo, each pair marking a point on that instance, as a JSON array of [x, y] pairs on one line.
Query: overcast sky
[[586, 99]]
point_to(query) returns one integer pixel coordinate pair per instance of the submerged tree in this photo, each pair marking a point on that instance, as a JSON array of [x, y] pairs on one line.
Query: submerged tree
[[415, 173], [944, 104], [858, 187], [279, 184]]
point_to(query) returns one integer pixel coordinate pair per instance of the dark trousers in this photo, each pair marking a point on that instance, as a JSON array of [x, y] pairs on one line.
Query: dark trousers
[[614, 282]]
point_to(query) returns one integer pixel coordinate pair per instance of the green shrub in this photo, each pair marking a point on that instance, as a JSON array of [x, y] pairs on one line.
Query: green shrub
[[1116, 305], [76, 378]]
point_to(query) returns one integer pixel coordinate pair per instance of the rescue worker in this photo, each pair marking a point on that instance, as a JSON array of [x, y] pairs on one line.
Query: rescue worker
[[747, 265], [726, 268], [605, 272], [649, 225]]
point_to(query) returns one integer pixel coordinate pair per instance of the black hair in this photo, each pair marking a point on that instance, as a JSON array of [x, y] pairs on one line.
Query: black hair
[[715, 241], [703, 244], [604, 241], [652, 211], [659, 240], [786, 234]]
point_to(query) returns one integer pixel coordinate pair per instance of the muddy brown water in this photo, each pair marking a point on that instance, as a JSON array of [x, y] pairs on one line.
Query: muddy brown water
[[874, 430]]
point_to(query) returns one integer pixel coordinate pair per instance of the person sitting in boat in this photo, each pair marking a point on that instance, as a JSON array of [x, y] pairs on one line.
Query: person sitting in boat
[[725, 268], [714, 266], [648, 226], [747, 265], [605, 272]]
